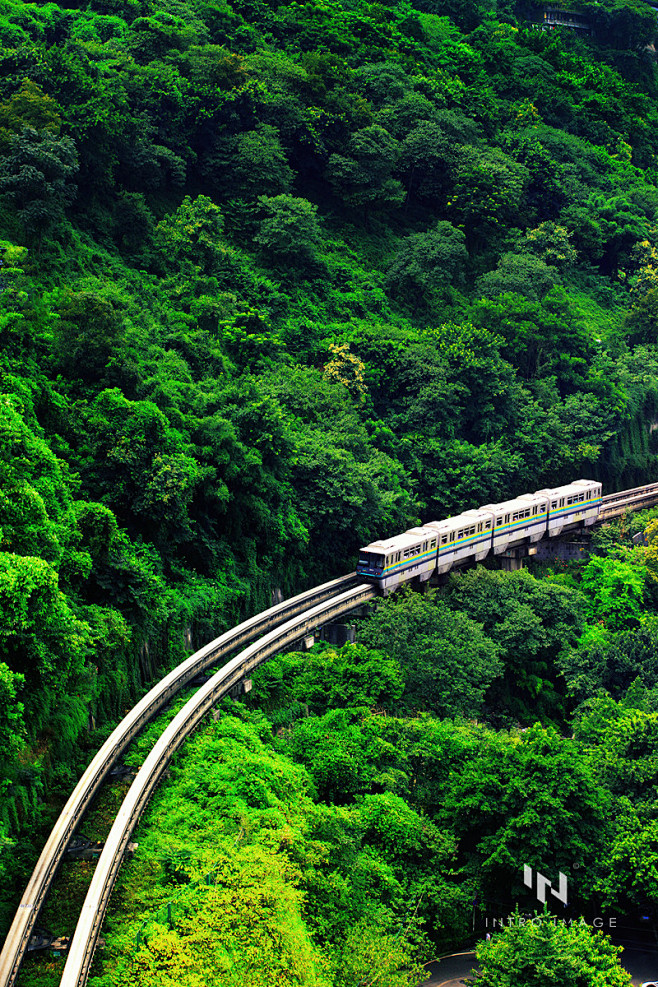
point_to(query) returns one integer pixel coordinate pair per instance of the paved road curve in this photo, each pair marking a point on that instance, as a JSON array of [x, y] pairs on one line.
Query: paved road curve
[[450, 971], [642, 964]]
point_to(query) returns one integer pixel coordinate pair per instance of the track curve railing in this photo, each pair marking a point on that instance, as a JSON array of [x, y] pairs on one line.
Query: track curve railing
[[615, 504], [26, 916], [84, 941]]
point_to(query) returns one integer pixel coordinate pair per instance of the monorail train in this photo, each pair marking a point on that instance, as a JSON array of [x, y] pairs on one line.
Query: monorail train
[[436, 546]]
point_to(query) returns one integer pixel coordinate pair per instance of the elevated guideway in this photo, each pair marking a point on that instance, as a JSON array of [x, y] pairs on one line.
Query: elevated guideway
[[84, 941], [27, 914]]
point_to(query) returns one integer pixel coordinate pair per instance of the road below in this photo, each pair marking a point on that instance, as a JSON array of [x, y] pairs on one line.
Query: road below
[[450, 971], [642, 964]]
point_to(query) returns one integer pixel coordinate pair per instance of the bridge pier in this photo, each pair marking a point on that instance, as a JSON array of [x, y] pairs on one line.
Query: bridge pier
[[339, 634], [512, 559]]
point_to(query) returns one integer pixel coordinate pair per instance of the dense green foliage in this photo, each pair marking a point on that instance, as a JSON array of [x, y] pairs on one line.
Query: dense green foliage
[[555, 955], [277, 279]]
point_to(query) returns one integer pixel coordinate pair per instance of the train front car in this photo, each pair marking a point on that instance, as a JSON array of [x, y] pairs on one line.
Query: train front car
[[572, 505], [393, 561]]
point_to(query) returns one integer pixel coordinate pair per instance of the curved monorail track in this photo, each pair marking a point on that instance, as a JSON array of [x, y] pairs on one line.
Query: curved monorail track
[[188, 718], [26, 916]]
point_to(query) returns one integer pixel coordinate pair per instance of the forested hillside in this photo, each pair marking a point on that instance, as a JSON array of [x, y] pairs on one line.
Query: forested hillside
[[277, 279]]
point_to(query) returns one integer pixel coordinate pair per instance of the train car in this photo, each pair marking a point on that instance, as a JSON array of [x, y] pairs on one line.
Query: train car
[[518, 520], [466, 536], [576, 503], [396, 560]]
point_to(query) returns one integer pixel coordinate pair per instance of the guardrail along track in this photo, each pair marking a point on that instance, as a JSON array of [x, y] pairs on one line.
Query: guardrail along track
[[616, 504], [82, 947], [71, 815]]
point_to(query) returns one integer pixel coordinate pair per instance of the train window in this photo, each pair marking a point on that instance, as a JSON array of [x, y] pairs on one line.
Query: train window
[[487, 525], [424, 545], [471, 531], [553, 504], [444, 539], [499, 520], [507, 518], [460, 534], [479, 527], [561, 501], [433, 543]]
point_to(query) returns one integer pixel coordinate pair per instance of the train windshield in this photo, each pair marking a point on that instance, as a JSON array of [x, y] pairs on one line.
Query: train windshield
[[370, 560]]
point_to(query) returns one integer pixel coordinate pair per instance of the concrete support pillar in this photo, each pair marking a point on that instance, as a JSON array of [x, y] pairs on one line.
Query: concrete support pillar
[[512, 559], [339, 634]]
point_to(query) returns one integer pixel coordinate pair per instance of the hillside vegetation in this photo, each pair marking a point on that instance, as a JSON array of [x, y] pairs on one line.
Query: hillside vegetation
[[280, 278]]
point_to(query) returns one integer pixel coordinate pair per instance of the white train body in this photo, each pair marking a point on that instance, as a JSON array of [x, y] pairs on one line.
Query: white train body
[[519, 520], [438, 545], [577, 503]]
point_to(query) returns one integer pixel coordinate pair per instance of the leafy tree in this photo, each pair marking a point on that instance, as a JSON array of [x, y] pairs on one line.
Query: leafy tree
[[488, 193], [345, 368], [540, 336], [35, 176], [626, 872], [194, 233], [426, 263], [146, 473], [613, 662], [428, 159], [531, 621], [289, 232], [324, 680], [523, 274], [41, 638], [368, 952], [614, 591], [31, 108], [448, 662], [89, 336], [524, 798], [548, 951], [552, 244], [259, 165], [363, 177], [12, 724]]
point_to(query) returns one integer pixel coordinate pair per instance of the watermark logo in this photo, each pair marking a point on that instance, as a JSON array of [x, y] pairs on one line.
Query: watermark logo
[[543, 883]]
